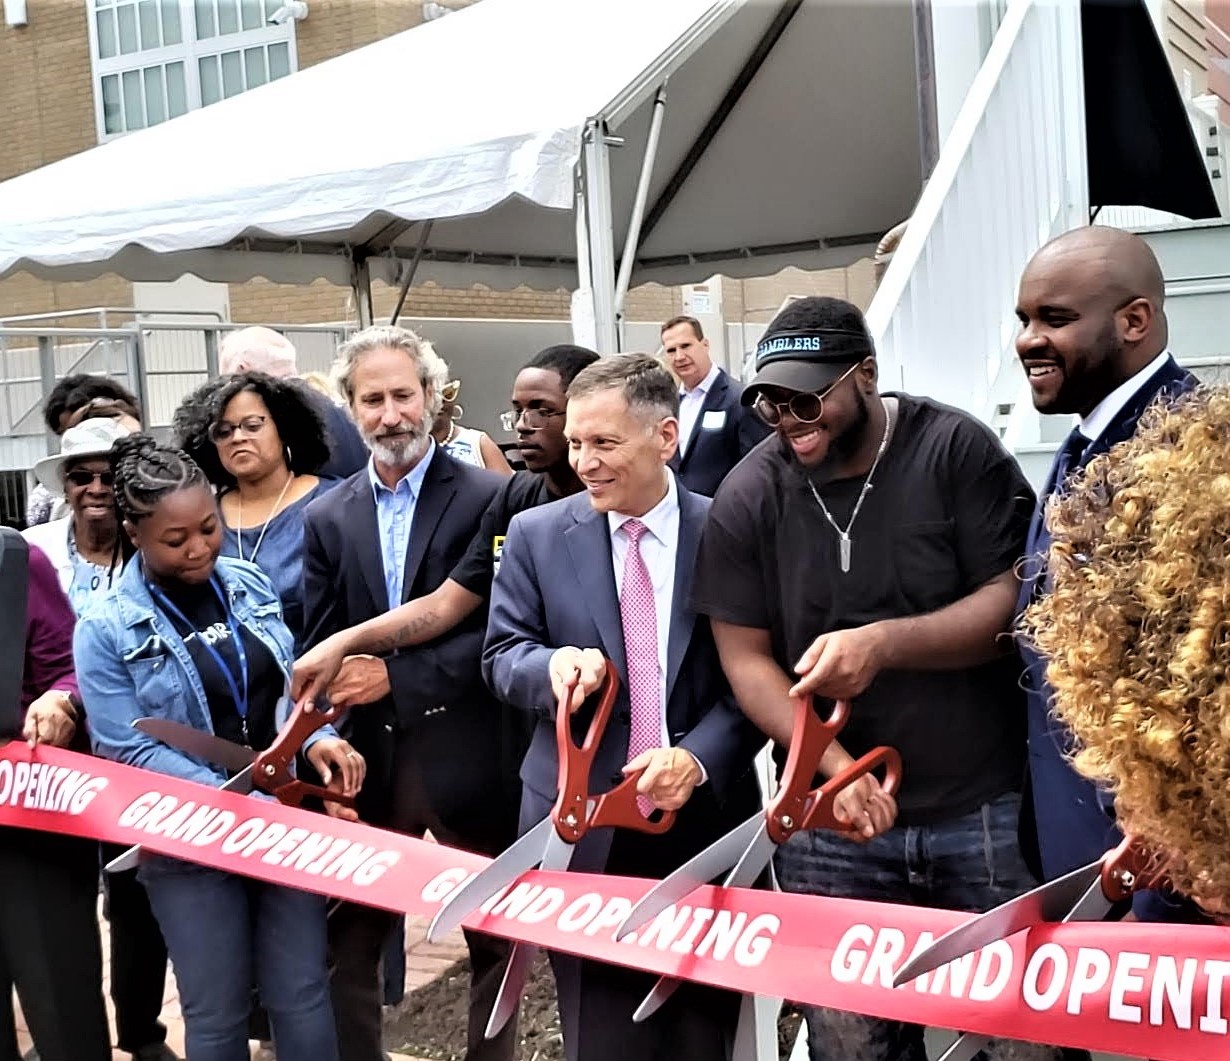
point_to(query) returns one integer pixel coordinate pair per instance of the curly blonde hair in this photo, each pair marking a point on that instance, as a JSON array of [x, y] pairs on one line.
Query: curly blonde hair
[[1136, 631]]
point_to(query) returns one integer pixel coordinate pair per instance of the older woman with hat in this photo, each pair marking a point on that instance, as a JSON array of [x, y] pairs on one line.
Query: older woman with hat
[[85, 547]]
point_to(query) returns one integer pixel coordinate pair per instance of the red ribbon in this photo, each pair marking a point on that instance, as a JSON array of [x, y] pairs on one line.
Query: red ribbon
[[1141, 990]]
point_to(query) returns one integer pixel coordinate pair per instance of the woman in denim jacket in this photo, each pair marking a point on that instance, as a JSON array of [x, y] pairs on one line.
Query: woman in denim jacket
[[186, 636]]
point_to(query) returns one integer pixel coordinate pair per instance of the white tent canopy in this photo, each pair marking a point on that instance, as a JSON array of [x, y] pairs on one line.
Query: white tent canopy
[[485, 147]]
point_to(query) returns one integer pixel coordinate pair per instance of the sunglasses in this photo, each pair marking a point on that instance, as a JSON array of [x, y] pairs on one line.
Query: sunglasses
[[224, 429], [806, 407], [85, 477]]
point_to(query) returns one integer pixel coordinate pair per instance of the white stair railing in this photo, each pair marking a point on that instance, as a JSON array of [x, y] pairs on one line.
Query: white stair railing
[[1010, 176]]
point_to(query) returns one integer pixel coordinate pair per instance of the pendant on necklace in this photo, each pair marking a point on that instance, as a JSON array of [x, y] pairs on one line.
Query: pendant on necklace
[[845, 554]]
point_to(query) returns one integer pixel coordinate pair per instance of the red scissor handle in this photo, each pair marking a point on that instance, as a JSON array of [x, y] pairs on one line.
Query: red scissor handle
[[572, 812], [272, 768], [809, 740], [821, 813], [1129, 868], [797, 804]]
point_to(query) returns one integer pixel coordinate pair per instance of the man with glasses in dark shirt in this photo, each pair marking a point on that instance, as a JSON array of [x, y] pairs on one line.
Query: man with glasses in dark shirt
[[867, 554]]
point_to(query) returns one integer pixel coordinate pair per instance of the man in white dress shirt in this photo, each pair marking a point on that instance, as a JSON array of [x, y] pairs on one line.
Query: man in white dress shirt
[[716, 430], [605, 576]]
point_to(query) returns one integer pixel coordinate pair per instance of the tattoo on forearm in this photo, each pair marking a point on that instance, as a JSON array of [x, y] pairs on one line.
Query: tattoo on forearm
[[406, 633]]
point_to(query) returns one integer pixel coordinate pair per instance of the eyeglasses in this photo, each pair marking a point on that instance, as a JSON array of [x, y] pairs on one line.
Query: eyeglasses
[[806, 407], [534, 418], [224, 429], [85, 477]]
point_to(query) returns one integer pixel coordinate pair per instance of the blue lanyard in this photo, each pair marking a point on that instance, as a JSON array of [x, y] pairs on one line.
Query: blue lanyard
[[241, 699]]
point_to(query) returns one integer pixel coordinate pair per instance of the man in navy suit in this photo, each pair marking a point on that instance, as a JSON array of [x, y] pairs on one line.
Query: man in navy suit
[[1093, 343], [606, 575], [430, 733], [716, 430]]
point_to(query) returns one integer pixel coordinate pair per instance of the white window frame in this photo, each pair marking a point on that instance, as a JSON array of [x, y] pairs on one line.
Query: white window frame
[[189, 51]]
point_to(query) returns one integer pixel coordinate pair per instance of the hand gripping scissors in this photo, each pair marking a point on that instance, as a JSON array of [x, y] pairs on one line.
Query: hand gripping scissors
[[747, 849], [1085, 894], [271, 770], [551, 843]]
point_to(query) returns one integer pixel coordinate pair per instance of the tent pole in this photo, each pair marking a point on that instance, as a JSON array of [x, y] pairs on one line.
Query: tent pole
[[411, 269], [638, 204], [601, 237], [361, 285]]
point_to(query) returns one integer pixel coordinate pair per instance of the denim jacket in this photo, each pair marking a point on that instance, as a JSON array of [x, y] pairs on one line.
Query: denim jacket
[[132, 664]]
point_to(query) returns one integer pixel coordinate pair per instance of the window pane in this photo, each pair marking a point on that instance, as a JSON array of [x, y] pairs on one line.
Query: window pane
[[270, 7], [279, 61], [155, 99], [128, 29], [172, 29], [205, 24], [106, 34], [250, 12], [232, 74], [147, 15], [254, 66], [177, 90], [211, 80], [113, 115], [228, 16], [134, 106]]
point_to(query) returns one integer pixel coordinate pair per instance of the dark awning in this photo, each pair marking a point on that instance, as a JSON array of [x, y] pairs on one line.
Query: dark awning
[[1140, 145]]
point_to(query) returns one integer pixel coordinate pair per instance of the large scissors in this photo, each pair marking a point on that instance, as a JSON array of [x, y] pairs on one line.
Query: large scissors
[[747, 849], [271, 771], [1085, 894], [551, 843]]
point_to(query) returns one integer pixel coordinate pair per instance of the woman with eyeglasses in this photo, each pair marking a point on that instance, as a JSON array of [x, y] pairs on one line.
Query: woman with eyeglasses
[[86, 547], [260, 441], [465, 443]]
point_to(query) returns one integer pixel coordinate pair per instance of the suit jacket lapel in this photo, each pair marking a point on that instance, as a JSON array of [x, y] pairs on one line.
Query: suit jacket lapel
[[683, 619], [589, 544], [363, 532], [435, 495], [714, 397]]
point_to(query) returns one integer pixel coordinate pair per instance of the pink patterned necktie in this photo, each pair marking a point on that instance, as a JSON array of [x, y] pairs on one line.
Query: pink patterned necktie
[[640, 620]]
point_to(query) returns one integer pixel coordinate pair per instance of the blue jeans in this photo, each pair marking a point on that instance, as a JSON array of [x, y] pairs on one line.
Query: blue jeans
[[969, 863], [225, 933]]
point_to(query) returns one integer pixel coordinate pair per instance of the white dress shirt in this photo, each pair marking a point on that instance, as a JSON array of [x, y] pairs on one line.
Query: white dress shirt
[[1104, 413], [690, 403], [659, 547]]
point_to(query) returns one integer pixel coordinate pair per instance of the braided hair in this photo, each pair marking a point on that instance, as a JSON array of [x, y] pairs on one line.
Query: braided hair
[[146, 472]]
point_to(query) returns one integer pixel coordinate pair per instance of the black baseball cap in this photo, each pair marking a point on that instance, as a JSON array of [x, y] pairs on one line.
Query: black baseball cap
[[809, 358]]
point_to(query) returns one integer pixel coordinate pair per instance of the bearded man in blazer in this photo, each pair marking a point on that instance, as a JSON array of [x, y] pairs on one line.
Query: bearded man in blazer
[[429, 730]]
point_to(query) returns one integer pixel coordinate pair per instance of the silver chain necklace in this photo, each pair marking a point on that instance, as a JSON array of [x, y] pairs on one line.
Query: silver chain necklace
[[844, 535]]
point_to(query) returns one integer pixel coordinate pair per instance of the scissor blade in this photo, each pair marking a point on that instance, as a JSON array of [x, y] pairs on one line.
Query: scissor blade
[[557, 855], [525, 854], [241, 783], [756, 1032], [512, 987], [197, 742], [1093, 905], [966, 1047], [714, 860], [753, 860], [1048, 903]]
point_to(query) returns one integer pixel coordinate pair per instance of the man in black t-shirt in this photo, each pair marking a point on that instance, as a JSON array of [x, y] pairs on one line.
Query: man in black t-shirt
[[866, 552], [538, 405]]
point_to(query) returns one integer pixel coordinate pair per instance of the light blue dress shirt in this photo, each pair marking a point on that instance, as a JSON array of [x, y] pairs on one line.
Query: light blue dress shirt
[[395, 518]]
